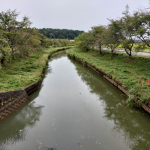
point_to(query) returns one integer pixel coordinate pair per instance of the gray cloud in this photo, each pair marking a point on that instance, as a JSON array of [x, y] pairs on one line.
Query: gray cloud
[[71, 14]]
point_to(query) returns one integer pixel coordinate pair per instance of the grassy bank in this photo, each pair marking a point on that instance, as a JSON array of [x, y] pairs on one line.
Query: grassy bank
[[22, 72], [133, 75]]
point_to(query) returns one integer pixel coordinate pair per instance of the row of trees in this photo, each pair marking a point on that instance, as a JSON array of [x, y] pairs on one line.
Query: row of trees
[[60, 33], [18, 39], [126, 31]]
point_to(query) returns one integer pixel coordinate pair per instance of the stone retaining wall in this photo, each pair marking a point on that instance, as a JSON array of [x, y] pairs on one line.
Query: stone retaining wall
[[32, 87], [10, 101]]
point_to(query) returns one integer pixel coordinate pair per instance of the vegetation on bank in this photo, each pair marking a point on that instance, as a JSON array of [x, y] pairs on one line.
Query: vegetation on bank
[[22, 72], [134, 75], [130, 32], [17, 39], [23, 51]]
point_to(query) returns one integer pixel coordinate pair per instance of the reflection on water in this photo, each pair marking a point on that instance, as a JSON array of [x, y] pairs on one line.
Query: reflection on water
[[75, 109], [14, 128], [132, 123]]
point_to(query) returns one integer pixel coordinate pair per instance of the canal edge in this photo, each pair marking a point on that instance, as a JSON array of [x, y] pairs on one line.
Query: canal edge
[[12, 100], [113, 82]]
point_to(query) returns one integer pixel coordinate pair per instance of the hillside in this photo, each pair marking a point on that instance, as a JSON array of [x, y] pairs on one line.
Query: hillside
[[60, 33]]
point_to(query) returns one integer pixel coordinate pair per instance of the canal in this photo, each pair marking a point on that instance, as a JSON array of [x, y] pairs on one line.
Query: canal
[[75, 109]]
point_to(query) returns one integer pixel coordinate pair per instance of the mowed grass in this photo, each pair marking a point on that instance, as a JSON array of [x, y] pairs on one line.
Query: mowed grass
[[133, 75], [22, 72], [147, 50]]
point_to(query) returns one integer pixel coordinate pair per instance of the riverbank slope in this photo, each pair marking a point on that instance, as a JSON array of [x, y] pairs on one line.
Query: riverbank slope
[[23, 72], [133, 76]]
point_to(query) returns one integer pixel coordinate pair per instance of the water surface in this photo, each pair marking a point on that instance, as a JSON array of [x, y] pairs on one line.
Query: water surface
[[75, 109]]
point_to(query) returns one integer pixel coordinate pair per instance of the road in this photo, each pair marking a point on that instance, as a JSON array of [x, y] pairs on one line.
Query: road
[[133, 53]]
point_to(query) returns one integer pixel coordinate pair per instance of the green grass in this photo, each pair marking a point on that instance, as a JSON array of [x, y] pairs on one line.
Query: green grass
[[147, 50], [130, 74], [22, 72]]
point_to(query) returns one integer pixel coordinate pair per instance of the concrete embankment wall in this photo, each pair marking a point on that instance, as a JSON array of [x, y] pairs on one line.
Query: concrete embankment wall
[[145, 106], [12, 100]]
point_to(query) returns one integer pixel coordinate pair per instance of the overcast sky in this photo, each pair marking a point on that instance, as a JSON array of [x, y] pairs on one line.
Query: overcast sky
[[71, 14]]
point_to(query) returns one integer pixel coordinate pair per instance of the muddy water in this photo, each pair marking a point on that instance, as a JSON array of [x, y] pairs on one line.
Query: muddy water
[[75, 109]]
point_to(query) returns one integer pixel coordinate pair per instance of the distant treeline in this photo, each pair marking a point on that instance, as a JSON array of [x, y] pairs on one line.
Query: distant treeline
[[60, 33]]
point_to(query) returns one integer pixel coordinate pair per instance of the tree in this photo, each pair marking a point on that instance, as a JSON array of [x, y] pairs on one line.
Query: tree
[[12, 29], [3, 52], [128, 32], [112, 35], [98, 36], [141, 20], [84, 40]]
